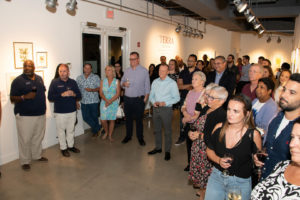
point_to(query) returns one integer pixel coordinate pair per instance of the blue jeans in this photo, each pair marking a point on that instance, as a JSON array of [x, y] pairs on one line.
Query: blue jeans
[[90, 116], [218, 185]]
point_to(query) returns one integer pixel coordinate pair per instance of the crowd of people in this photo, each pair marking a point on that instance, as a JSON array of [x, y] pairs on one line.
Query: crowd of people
[[234, 118]]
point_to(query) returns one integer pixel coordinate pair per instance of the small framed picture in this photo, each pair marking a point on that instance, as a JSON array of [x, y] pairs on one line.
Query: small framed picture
[[22, 51], [40, 73], [41, 60]]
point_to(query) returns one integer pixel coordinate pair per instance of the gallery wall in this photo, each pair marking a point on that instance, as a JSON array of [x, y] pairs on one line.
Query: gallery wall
[[59, 34]]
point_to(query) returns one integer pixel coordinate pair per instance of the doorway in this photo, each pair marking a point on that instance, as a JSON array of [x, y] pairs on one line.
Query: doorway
[[104, 46]]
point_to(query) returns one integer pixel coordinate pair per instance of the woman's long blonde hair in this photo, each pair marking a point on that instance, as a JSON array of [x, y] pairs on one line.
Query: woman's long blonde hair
[[248, 120]]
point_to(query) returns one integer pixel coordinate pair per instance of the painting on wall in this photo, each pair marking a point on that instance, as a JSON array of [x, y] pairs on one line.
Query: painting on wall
[[10, 77], [41, 60], [22, 51]]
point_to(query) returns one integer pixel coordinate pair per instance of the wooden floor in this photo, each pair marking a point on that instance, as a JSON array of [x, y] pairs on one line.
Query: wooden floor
[[103, 170]]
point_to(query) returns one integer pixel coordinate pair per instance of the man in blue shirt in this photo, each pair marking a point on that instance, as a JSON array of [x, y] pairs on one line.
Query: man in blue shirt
[[89, 84], [28, 94], [64, 92], [136, 83], [279, 131], [164, 93]]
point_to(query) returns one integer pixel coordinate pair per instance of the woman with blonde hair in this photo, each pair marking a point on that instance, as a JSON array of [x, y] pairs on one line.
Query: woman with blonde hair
[[109, 92]]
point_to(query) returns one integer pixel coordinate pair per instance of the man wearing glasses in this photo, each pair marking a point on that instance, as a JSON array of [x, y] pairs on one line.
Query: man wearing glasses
[[222, 76], [136, 83], [184, 83]]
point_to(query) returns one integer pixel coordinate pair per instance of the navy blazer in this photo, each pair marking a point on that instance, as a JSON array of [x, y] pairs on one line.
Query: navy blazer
[[228, 80], [277, 148]]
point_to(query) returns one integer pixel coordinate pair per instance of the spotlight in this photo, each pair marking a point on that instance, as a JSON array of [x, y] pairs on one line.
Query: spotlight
[[278, 40], [178, 28], [261, 31], [269, 39], [51, 3], [256, 25], [71, 5], [240, 5], [249, 16]]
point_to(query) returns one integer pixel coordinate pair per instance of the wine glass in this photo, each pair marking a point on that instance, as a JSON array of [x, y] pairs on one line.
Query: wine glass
[[261, 156], [234, 193], [230, 159], [128, 82]]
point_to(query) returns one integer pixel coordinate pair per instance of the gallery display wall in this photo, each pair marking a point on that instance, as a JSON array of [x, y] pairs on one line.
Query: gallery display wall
[[58, 35]]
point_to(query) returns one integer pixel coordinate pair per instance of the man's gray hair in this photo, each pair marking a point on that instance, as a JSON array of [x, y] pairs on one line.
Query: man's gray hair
[[210, 86], [261, 68], [201, 75], [221, 92]]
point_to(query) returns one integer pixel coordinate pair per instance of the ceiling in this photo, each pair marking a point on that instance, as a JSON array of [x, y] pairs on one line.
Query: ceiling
[[276, 16]]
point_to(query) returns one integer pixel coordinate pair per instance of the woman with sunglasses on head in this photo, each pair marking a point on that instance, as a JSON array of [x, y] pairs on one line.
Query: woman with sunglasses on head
[[230, 148]]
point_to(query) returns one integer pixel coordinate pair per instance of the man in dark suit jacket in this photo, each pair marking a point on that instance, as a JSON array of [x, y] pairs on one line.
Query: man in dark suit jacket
[[222, 76]]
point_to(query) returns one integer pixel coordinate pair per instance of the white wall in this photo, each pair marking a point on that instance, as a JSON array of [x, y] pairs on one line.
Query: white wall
[[256, 46], [60, 35]]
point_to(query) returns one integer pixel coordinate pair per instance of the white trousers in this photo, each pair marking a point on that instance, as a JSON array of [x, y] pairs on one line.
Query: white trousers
[[65, 128], [31, 131]]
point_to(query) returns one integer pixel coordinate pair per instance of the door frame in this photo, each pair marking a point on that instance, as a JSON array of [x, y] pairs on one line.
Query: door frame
[[105, 32]]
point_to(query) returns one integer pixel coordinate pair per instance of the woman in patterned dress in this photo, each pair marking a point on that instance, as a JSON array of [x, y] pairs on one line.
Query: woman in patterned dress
[[284, 182], [109, 93], [212, 114]]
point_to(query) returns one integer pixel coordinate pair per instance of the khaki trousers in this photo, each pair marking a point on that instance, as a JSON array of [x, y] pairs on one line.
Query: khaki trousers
[[65, 128], [31, 131]]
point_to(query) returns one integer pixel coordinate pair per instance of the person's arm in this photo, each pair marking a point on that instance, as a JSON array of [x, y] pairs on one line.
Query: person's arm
[[96, 84], [16, 96], [175, 97], [211, 154], [116, 96], [152, 93], [147, 87], [101, 92], [258, 143], [182, 86], [77, 93], [53, 94]]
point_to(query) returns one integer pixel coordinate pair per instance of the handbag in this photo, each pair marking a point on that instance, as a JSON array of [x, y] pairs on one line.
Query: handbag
[[120, 112]]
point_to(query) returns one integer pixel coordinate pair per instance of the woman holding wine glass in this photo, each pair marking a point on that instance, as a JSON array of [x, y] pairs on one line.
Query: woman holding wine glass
[[284, 182], [212, 114], [237, 138]]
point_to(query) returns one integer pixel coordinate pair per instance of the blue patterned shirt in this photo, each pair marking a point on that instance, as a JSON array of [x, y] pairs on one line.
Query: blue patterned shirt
[[92, 81]]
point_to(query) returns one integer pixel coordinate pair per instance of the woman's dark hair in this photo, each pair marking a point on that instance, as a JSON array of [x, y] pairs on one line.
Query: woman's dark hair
[[176, 65], [268, 82], [151, 65], [271, 74], [248, 120], [57, 68]]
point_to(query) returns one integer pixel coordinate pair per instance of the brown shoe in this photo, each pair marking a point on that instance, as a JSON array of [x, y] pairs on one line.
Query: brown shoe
[[26, 167], [43, 159], [65, 153], [74, 149]]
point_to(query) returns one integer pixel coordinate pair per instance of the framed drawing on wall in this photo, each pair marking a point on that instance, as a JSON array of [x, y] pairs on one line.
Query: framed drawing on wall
[[40, 73], [41, 59], [22, 51]]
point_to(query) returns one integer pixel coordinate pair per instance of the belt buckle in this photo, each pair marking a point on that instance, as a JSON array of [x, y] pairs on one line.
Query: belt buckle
[[225, 173]]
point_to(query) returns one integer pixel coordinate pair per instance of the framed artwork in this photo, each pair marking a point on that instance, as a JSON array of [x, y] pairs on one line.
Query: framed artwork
[[10, 76], [22, 51], [41, 60], [40, 73]]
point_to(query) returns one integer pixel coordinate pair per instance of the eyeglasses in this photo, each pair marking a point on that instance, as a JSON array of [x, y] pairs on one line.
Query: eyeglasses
[[212, 98], [191, 61], [133, 59]]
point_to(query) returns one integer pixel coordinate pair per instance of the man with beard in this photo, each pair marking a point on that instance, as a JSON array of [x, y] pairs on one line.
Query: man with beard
[[279, 131], [28, 94], [184, 83], [232, 67]]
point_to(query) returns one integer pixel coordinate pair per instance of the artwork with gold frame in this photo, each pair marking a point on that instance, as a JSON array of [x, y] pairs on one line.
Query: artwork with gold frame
[[41, 59], [22, 51], [40, 73]]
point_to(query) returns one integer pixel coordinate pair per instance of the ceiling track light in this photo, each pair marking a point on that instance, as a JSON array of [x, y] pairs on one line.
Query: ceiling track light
[[256, 25], [261, 31], [71, 6], [278, 40], [249, 16], [51, 3], [269, 39], [178, 28], [240, 5]]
